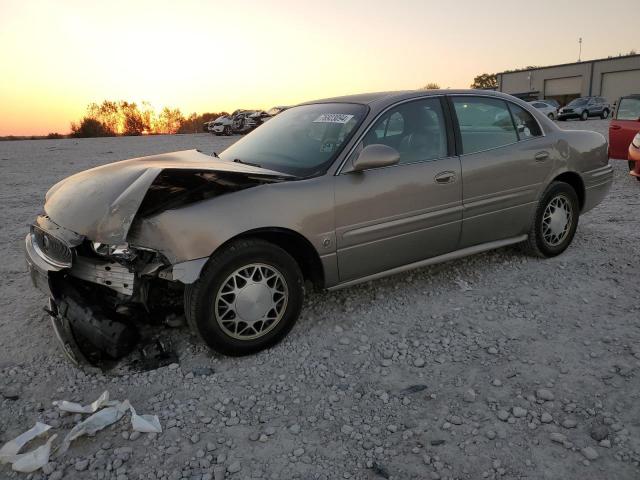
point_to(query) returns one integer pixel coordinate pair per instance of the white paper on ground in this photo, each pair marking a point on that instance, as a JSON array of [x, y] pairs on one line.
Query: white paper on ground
[[94, 423], [10, 449], [93, 407], [35, 459], [145, 423]]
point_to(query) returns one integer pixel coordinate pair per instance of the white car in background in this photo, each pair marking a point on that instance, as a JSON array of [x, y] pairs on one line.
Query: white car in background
[[221, 126], [549, 110]]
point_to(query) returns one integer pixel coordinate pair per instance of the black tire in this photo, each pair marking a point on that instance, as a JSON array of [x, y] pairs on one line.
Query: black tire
[[584, 116], [605, 114], [200, 296], [551, 116], [227, 131], [632, 165], [536, 244]]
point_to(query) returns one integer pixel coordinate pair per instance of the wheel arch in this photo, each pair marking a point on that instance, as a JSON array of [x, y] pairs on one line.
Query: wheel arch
[[575, 180], [292, 242]]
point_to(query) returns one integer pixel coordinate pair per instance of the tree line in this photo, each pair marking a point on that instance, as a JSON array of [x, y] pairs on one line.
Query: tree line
[[113, 118]]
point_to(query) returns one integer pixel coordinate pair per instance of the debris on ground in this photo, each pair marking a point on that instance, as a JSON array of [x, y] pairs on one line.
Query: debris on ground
[[101, 418], [9, 451]]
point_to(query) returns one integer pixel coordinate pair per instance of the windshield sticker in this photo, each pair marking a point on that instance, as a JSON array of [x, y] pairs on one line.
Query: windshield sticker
[[333, 118]]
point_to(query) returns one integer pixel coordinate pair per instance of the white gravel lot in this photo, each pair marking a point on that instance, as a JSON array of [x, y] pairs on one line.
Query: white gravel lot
[[493, 366]]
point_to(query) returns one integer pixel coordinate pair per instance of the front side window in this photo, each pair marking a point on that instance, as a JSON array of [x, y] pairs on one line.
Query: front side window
[[526, 125], [629, 109], [485, 123], [416, 129], [301, 141]]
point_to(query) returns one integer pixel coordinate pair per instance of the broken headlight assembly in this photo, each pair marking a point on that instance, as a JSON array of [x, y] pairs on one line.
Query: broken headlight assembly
[[106, 250]]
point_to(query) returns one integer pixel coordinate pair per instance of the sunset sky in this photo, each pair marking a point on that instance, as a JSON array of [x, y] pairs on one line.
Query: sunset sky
[[57, 56]]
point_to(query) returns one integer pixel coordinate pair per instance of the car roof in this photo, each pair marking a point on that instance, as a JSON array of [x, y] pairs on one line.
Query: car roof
[[382, 99]]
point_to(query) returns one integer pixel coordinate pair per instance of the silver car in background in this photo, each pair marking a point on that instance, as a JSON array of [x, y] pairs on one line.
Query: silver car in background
[[329, 193], [545, 108]]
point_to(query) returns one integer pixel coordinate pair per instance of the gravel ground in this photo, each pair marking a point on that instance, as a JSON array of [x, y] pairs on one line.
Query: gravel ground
[[494, 366]]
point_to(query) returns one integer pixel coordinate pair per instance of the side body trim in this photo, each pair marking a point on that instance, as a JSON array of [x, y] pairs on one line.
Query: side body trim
[[431, 261]]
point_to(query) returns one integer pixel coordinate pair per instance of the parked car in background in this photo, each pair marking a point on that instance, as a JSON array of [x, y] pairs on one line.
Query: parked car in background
[[243, 121], [549, 110], [222, 125], [273, 111], [623, 127], [634, 157], [552, 102], [585, 107], [335, 192]]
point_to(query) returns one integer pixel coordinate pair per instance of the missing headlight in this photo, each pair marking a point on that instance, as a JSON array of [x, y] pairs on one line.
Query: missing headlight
[[105, 250]]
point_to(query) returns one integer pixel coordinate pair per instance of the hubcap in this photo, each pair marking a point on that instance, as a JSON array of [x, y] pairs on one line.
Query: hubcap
[[556, 221], [251, 301]]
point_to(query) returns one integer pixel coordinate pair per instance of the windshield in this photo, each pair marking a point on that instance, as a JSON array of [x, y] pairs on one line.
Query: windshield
[[578, 102], [301, 141], [629, 109]]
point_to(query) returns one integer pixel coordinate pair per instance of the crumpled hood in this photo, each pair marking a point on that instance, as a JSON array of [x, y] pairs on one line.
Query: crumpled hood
[[101, 203]]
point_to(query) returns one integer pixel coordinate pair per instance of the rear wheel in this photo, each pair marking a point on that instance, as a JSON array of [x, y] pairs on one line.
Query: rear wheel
[[605, 114], [248, 298], [550, 116], [555, 221], [584, 116], [632, 165]]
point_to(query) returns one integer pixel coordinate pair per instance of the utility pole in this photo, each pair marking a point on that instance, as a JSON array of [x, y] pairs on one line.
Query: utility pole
[[580, 51]]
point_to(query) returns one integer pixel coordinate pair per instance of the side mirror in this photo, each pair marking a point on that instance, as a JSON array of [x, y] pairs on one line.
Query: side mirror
[[376, 156]]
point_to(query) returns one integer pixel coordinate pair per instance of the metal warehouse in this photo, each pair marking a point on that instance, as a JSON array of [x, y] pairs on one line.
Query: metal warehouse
[[607, 77]]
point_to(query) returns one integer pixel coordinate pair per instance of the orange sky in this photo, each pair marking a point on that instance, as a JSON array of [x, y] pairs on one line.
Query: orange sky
[[57, 56]]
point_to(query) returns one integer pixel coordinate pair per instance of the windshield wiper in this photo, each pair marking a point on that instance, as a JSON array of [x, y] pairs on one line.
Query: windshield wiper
[[237, 160]]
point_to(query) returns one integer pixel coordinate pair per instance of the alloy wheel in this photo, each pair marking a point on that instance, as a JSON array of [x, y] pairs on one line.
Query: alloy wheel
[[251, 301]]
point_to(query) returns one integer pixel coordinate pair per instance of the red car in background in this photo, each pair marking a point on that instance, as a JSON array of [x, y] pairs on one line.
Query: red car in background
[[622, 130]]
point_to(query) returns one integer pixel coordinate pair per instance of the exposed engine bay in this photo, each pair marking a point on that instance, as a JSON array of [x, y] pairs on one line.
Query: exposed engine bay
[[104, 294]]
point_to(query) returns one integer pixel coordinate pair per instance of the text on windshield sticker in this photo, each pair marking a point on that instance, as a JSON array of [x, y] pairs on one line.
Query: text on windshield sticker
[[333, 118]]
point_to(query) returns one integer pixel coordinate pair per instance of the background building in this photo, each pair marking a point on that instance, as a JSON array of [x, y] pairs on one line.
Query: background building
[[607, 77]]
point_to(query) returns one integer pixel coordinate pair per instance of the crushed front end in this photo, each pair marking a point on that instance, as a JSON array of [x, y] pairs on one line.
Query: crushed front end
[[99, 295], [104, 282]]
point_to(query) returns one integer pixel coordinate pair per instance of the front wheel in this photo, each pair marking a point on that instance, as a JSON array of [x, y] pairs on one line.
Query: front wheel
[[551, 116], [555, 221], [248, 297], [584, 116], [632, 165], [227, 131], [605, 114]]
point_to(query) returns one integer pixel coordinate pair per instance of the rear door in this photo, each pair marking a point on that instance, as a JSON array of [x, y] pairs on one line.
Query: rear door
[[505, 162], [624, 127], [393, 216]]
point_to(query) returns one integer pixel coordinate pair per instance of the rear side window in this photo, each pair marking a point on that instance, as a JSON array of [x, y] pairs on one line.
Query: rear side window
[[485, 123], [526, 125], [629, 109]]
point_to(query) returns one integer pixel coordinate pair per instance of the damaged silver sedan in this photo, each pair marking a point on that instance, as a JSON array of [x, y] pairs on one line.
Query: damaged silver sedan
[[329, 193]]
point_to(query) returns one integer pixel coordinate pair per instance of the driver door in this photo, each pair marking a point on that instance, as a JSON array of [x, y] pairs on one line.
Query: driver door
[[393, 216]]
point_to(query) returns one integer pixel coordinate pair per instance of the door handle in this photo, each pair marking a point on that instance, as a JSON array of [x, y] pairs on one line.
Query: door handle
[[615, 127], [445, 177], [541, 156]]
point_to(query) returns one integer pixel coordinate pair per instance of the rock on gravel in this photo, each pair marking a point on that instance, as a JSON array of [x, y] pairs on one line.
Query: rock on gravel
[[589, 453]]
